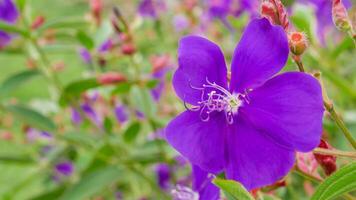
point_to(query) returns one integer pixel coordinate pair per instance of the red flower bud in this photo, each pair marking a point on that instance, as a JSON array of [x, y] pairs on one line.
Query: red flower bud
[[275, 12], [110, 78], [96, 9], [297, 43], [39, 20], [128, 48], [327, 162], [340, 16]]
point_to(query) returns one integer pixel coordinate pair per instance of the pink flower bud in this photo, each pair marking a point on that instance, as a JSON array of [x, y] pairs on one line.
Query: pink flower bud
[[96, 9], [39, 20], [340, 16], [298, 42], [327, 162], [275, 12], [128, 48], [110, 78]]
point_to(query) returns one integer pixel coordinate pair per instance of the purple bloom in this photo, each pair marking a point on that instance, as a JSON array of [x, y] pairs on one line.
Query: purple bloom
[[203, 185], [180, 23], [76, 118], [163, 174], [92, 115], [8, 14], [64, 168], [36, 135], [160, 76], [251, 127], [105, 46], [150, 8], [85, 55], [121, 113]]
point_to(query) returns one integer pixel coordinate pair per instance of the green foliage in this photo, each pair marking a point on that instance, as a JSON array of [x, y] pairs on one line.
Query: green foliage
[[233, 190]]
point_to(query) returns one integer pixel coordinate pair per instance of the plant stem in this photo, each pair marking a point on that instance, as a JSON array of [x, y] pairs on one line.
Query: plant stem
[[335, 152], [330, 108]]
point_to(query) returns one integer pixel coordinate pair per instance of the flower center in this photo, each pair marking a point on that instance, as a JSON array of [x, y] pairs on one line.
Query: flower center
[[216, 98]]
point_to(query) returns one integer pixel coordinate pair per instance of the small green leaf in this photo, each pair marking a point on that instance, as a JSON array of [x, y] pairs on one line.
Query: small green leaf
[[31, 117], [122, 88], [12, 29], [74, 89], [132, 131], [342, 181], [21, 4], [108, 125], [60, 23], [51, 194], [92, 183], [14, 81], [233, 189], [85, 40], [83, 139], [152, 83]]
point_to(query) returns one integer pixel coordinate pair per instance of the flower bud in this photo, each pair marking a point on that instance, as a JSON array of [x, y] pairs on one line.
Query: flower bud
[[327, 162], [39, 20], [128, 48], [110, 78], [96, 9], [275, 12], [298, 43], [340, 16]]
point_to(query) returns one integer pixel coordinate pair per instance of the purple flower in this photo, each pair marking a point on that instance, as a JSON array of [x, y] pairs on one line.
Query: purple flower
[[150, 8], [85, 55], [163, 174], [160, 76], [64, 168], [8, 14], [251, 127], [105, 46], [36, 135], [180, 23], [92, 115], [203, 185], [76, 118], [121, 113]]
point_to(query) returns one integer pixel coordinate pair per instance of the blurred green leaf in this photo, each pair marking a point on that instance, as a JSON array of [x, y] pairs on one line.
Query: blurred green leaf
[[21, 4], [303, 19], [58, 23], [122, 88], [16, 159], [12, 29], [132, 131], [85, 40], [342, 181], [52, 194], [142, 99], [152, 83], [14, 81], [233, 189], [92, 183], [83, 139], [74, 89], [31, 117], [108, 125]]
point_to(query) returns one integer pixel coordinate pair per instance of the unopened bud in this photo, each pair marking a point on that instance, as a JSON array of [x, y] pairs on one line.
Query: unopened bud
[[275, 12], [39, 20], [327, 162], [96, 9], [298, 43], [340, 16], [128, 48], [110, 78]]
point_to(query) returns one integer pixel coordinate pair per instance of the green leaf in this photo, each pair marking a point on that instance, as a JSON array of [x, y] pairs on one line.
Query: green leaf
[[132, 131], [74, 89], [60, 23], [31, 117], [92, 183], [82, 139], [108, 125], [152, 83], [85, 40], [142, 98], [52, 194], [233, 189], [342, 181], [16, 159], [122, 88], [14, 81], [12, 29], [21, 4]]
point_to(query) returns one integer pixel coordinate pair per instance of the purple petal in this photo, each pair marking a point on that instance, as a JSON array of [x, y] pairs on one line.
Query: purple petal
[[219, 8], [76, 118], [5, 39], [121, 113], [85, 55], [289, 109], [163, 174], [203, 185], [261, 53], [253, 158], [65, 168], [200, 142], [8, 11], [199, 60]]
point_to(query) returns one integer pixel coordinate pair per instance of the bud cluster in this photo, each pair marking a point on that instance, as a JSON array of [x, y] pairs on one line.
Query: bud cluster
[[327, 162]]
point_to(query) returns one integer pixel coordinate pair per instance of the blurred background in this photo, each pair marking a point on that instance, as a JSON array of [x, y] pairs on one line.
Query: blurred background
[[85, 92]]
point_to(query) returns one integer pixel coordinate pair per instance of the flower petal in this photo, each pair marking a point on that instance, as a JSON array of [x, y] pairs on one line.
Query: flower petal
[[261, 53], [254, 159], [199, 60], [203, 185], [200, 142], [289, 109]]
